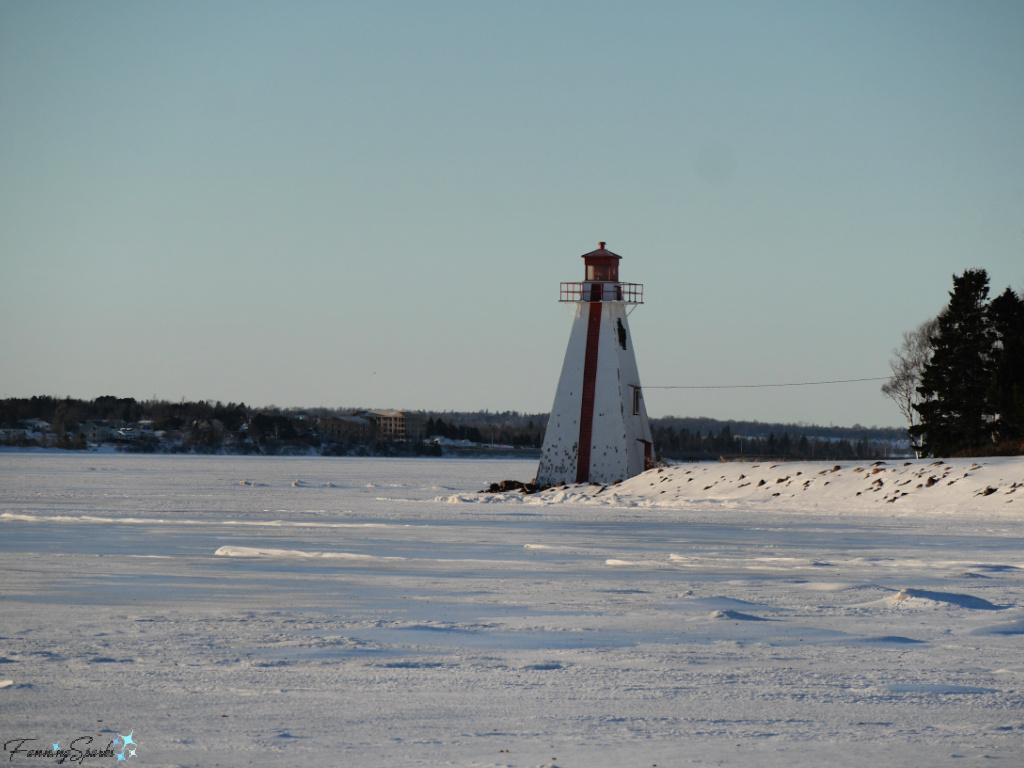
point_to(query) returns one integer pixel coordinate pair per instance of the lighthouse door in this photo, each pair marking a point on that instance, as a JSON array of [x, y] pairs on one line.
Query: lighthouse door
[[648, 454]]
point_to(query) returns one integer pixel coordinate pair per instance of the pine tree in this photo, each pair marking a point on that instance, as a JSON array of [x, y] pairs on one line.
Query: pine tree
[[1007, 392], [955, 411]]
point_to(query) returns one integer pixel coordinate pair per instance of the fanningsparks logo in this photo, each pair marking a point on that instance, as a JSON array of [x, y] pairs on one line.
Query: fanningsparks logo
[[78, 750]]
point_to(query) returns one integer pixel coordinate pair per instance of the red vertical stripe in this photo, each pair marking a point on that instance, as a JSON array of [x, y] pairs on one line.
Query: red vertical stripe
[[589, 385]]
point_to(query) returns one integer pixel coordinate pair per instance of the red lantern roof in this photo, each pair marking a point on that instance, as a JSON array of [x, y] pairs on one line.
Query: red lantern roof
[[601, 253]]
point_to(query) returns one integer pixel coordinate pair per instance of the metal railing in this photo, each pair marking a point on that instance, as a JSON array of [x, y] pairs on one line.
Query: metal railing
[[627, 293]]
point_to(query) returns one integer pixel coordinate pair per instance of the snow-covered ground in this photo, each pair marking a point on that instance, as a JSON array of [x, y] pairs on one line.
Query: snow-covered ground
[[379, 612]]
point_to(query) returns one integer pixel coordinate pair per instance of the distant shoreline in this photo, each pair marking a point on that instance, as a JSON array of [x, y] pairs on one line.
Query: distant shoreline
[[532, 454]]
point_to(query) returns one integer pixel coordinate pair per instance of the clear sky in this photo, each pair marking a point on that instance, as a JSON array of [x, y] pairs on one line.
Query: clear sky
[[372, 204]]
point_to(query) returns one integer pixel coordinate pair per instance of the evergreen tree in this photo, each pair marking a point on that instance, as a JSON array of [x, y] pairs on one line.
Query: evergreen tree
[[725, 440], [1007, 392], [955, 413]]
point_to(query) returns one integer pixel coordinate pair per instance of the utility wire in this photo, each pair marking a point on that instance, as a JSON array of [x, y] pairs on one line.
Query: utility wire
[[759, 386]]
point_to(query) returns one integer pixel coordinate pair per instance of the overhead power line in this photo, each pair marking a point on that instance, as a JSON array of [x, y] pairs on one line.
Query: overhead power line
[[760, 386]]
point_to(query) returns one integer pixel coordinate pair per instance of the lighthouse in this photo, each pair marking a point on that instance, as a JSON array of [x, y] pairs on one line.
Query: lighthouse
[[598, 431]]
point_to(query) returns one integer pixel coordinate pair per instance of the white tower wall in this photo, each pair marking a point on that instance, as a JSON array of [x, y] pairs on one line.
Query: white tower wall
[[558, 457]]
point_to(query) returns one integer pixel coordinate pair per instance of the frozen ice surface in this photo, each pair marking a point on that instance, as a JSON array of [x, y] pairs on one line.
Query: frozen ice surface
[[379, 612]]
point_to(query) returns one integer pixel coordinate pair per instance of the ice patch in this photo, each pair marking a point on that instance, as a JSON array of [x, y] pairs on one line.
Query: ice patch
[[13, 516], [736, 616], [1010, 628], [937, 689], [544, 666], [950, 598], [829, 586], [296, 553], [726, 604]]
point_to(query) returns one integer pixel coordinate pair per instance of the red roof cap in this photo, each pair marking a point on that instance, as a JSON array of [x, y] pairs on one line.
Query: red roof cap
[[601, 252]]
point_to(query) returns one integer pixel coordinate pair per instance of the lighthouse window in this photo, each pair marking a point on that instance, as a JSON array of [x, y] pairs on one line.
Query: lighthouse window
[[622, 334], [636, 401], [600, 272]]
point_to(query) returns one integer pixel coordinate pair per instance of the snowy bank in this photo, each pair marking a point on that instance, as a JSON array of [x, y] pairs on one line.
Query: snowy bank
[[993, 486]]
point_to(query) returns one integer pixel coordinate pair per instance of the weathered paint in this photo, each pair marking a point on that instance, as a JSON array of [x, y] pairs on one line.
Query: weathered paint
[[607, 441]]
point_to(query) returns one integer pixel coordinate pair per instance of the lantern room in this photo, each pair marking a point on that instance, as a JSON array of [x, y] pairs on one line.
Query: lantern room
[[601, 281], [601, 265]]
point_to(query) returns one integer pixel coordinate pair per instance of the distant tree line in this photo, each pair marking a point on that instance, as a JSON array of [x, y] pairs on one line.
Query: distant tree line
[[208, 427], [958, 379], [507, 428], [775, 442]]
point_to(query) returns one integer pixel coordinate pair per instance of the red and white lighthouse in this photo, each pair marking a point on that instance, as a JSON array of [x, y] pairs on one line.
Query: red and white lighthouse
[[598, 431]]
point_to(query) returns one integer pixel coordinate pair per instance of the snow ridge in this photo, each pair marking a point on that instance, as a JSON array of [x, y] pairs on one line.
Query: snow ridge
[[896, 488]]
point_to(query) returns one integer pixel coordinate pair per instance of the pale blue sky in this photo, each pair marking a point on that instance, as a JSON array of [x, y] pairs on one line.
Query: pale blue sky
[[373, 204]]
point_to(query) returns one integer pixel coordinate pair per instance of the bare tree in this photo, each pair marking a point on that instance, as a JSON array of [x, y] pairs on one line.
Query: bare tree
[[907, 364]]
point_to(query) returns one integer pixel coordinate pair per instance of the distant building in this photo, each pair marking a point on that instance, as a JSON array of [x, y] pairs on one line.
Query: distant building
[[15, 436], [96, 431], [398, 426], [345, 429]]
